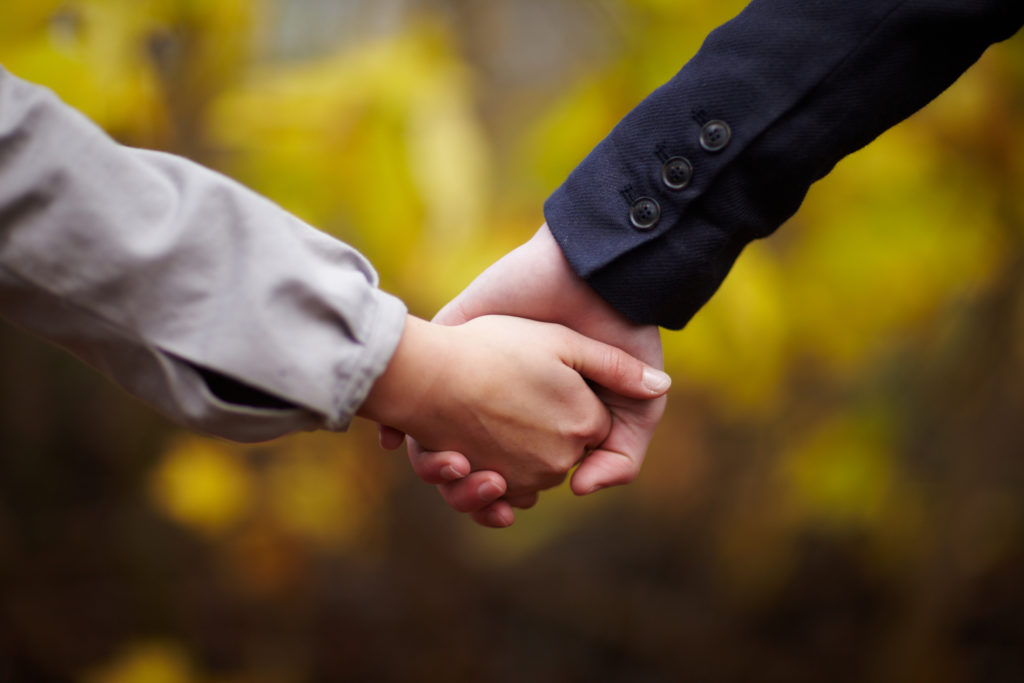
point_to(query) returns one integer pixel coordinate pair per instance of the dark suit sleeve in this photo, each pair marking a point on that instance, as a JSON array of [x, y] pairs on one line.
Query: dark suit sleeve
[[656, 215]]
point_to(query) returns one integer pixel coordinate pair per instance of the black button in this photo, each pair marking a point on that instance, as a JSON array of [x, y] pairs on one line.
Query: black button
[[676, 173], [644, 213], [715, 135]]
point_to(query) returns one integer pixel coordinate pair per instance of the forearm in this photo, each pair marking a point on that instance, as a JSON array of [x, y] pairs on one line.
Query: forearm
[[151, 267], [800, 85]]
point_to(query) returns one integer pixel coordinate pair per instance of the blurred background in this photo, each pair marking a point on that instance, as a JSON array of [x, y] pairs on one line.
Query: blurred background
[[836, 492]]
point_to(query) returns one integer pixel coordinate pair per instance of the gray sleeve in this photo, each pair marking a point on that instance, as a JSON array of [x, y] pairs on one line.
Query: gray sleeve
[[156, 270]]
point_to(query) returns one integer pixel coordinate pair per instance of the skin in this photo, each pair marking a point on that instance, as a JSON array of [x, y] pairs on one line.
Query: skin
[[505, 395], [535, 281]]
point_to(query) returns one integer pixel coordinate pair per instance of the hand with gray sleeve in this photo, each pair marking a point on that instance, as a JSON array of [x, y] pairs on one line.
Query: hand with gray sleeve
[[237, 319]]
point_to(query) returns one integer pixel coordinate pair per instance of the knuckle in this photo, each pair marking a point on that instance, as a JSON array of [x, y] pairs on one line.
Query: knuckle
[[590, 427], [544, 477], [552, 479], [553, 469]]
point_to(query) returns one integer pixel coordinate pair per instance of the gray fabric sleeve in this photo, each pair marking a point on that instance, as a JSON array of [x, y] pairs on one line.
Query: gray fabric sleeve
[[152, 269]]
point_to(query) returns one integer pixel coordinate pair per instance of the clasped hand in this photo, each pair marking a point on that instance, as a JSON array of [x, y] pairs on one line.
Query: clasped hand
[[498, 408]]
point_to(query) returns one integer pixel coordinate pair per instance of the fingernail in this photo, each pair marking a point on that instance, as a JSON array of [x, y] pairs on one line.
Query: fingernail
[[489, 491], [656, 381], [497, 519], [449, 473]]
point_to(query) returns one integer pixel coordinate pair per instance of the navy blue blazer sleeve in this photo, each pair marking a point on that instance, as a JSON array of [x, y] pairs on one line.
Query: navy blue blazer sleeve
[[724, 153]]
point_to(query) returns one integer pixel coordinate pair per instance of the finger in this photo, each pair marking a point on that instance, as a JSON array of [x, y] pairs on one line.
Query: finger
[[523, 501], [437, 467], [453, 313], [616, 370], [390, 438], [497, 515], [473, 493], [602, 469], [618, 460]]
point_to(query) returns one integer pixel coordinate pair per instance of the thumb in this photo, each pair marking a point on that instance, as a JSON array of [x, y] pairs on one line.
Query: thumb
[[618, 460], [454, 312], [616, 370], [603, 468]]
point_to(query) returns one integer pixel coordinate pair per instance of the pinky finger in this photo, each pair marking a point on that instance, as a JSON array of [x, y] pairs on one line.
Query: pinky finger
[[523, 501], [390, 438], [497, 515]]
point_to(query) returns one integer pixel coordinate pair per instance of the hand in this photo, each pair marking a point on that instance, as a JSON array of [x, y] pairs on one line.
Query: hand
[[509, 394], [536, 281]]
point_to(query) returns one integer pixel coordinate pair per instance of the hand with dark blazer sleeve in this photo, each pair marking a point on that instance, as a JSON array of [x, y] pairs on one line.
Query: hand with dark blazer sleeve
[[643, 232], [724, 153]]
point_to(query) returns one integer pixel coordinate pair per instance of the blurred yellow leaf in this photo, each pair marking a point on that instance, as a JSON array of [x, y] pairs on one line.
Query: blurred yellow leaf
[[737, 349], [843, 472], [147, 661], [311, 498], [202, 485], [449, 160], [378, 144], [261, 560]]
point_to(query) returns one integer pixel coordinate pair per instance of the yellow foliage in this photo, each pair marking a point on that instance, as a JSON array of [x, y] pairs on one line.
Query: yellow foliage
[[318, 495], [147, 661], [738, 349], [130, 66], [202, 484], [904, 248], [564, 134], [843, 472], [378, 144], [310, 488], [87, 52]]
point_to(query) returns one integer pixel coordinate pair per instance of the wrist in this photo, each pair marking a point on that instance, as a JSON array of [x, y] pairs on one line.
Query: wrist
[[566, 297], [577, 304], [399, 392], [571, 301]]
